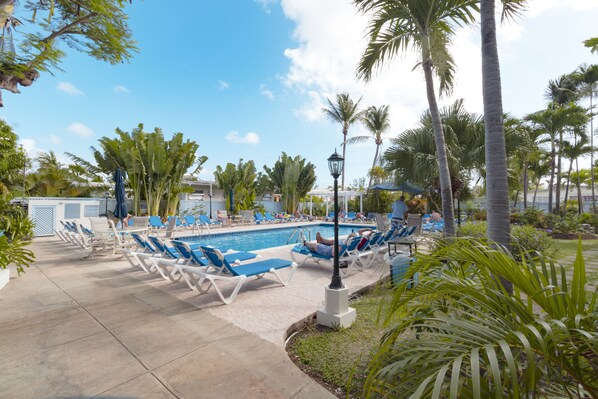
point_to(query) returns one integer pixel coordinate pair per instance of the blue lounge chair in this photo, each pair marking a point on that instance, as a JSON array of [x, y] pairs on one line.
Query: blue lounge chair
[[269, 218], [156, 223], [141, 254], [237, 273], [259, 218], [344, 256], [205, 221]]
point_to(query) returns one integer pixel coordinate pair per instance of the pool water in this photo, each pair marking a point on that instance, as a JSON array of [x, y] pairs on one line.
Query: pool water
[[262, 239]]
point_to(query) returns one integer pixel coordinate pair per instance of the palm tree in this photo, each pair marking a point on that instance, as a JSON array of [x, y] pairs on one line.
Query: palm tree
[[539, 165], [561, 92], [574, 151], [460, 335], [376, 121], [426, 25], [497, 186], [346, 112], [586, 78], [293, 177]]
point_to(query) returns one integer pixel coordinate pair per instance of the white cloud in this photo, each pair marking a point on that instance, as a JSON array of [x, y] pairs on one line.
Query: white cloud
[[120, 89], [222, 85], [249, 138], [69, 88], [266, 92], [266, 4], [30, 147], [81, 130], [54, 139]]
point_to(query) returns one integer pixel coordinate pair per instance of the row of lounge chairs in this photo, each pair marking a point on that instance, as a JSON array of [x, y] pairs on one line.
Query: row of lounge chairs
[[359, 251], [203, 267]]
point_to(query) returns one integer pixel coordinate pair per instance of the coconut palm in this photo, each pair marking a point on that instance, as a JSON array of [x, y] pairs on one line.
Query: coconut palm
[[428, 26], [573, 151], [377, 122], [346, 112], [551, 122], [539, 165], [561, 92], [497, 186], [586, 78], [462, 335]]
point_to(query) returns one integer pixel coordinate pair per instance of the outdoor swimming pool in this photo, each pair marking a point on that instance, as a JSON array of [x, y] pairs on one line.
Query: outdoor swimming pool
[[261, 239]]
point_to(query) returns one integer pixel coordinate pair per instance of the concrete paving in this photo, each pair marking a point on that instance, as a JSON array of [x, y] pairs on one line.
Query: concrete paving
[[73, 327]]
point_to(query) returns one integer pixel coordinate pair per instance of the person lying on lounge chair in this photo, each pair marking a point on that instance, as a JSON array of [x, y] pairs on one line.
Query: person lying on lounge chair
[[325, 246]]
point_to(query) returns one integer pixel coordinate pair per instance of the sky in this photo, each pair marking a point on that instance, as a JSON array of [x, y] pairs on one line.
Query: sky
[[247, 79]]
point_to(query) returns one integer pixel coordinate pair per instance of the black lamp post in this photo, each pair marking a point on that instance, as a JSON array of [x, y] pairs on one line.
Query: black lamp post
[[336, 164]]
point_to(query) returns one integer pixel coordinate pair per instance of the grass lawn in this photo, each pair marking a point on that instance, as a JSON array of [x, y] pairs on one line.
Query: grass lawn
[[338, 359], [568, 248]]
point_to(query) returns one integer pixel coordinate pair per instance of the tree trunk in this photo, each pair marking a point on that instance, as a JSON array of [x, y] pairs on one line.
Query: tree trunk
[[567, 186], [443, 169], [579, 199], [551, 181], [374, 164], [345, 132], [525, 185], [515, 199], [557, 193], [497, 188], [592, 152], [535, 192]]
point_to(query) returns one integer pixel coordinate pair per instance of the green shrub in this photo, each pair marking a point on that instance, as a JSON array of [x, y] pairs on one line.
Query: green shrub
[[524, 238], [479, 214], [550, 220], [533, 217], [568, 224], [528, 238], [589, 218]]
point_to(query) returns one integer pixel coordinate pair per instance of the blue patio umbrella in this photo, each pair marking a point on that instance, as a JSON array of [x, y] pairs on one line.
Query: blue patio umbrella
[[120, 211], [407, 186]]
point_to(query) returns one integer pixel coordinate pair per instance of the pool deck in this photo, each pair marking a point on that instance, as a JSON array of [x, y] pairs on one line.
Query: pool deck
[[74, 327]]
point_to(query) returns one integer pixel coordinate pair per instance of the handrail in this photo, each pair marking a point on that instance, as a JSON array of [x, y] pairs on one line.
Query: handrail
[[301, 235]]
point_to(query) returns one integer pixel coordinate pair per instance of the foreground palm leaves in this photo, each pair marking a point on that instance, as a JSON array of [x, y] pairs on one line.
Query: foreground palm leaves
[[464, 336]]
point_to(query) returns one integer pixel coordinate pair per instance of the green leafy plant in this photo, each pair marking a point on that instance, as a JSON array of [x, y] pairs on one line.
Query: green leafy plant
[[475, 340], [17, 232], [417, 205]]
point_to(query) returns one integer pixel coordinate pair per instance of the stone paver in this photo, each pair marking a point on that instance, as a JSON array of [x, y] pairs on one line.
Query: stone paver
[[73, 327]]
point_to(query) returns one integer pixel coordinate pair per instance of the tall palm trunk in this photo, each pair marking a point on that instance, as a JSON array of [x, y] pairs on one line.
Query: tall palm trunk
[[591, 153], [535, 193], [551, 181], [567, 186], [497, 189], [557, 193], [345, 132], [443, 169], [579, 199], [525, 184], [374, 164]]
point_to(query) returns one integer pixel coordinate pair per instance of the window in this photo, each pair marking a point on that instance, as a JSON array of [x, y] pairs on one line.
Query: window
[[91, 211], [72, 211]]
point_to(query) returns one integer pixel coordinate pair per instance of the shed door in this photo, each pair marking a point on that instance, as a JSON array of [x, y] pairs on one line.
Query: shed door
[[43, 216]]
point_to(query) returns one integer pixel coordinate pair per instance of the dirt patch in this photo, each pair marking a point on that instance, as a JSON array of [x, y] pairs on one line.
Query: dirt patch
[[574, 236]]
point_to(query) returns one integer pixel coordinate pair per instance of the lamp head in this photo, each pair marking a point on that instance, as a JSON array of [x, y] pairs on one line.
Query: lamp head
[[336, 164]]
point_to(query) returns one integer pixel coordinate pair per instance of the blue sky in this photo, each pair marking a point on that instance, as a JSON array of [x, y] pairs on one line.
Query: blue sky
[[247, 79]]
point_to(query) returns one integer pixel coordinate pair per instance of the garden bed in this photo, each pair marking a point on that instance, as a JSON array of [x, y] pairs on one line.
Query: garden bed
[[573, 236]]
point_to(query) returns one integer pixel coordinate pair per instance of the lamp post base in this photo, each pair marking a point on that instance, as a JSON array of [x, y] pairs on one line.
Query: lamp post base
[[336, 312]]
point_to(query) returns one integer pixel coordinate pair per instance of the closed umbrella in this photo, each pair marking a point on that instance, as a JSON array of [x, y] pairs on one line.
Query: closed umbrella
[[231, 197], [120, 211]]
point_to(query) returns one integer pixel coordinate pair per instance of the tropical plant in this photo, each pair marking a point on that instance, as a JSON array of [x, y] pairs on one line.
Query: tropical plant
[[346, 112], [428, 26], [551, 122], [293, 178], [592, 44], [12, 161], [238, 182], [17, 231], [96, 27], [497, 199], [462, 335], [586, 78], [377, 122], [573, 152], [154, 167]]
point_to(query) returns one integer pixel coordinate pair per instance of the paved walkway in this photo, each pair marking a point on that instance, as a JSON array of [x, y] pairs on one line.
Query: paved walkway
[[74, 328]]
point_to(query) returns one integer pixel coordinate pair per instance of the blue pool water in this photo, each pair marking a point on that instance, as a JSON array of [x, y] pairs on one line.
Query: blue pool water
[[261, 239]]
